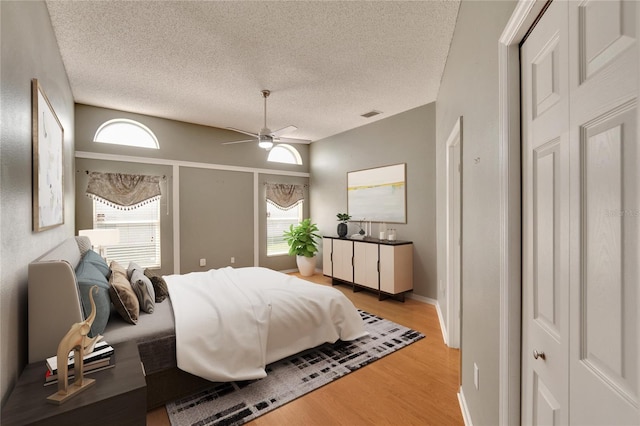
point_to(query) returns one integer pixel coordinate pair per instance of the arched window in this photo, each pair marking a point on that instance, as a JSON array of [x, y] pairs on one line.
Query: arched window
[[283, 153], [122, 131]]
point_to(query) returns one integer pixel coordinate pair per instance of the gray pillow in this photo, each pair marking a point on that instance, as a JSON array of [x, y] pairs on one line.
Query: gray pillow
[[87, 276], [132, 267], [96, 260], [144, 290], [84, 244]]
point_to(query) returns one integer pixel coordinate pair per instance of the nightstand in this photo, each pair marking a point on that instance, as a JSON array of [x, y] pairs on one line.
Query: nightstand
[[119, 396]]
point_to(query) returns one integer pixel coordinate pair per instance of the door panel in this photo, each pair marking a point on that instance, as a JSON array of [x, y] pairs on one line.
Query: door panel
[[545, 81], [605, 30], [604, 330], [603, 288], [327, 256], [365, 264], [343, 260], [581, 213], [546, 409], [545, 212], [546, 209]]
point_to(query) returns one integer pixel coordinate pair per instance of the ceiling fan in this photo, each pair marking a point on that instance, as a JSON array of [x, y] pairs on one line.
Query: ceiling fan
[[266, 138]]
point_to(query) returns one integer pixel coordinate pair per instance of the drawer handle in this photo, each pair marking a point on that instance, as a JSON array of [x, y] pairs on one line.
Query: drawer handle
[[537, 355]]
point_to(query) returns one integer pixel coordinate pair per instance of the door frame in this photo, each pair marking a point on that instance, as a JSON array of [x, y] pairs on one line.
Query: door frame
[[453, 288], [522, 19]]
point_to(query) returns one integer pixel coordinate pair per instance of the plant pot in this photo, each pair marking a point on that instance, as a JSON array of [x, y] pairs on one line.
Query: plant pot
[[306, 265], [342, 229]]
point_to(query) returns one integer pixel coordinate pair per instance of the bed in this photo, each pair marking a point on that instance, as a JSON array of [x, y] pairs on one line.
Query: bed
[[284, 316]]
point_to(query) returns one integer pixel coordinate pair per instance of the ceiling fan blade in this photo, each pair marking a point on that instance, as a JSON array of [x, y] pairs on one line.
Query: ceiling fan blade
[[284, 130], [291, 140], [255, 135], [244, 141]]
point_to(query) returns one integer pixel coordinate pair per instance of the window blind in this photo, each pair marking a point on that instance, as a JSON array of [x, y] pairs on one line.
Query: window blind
[[139, 233]]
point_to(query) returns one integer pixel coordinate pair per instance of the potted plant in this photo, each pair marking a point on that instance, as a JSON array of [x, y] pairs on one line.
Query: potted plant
[[302, 244], [342, 226]]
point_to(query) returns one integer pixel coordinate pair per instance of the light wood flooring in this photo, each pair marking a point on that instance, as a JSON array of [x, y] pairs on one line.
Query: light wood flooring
[[417, 385]]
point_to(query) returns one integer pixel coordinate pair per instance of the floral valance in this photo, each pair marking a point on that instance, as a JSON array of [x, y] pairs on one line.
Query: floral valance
[[123, 191], [284, 196]]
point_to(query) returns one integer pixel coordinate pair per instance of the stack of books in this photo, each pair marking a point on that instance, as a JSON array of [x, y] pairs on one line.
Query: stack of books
[[101, 358]]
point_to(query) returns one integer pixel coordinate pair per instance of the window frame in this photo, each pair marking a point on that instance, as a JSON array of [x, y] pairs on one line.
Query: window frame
[[290, 149], [129, 123]]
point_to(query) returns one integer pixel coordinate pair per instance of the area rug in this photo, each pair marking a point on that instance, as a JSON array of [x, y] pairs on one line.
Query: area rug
[[235, 403]]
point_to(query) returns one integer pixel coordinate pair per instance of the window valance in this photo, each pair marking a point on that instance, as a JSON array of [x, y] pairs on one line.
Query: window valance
[[123, 191], [284, 196]]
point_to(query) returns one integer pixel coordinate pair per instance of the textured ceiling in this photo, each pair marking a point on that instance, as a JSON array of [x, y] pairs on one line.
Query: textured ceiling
[[205, 62]]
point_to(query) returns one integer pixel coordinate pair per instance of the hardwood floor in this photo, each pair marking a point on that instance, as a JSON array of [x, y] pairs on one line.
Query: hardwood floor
[[416, 385]]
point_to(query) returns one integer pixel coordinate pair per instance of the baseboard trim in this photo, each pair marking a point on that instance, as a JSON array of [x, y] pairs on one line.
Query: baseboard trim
[[464, 409], [422, 299], [445, 332]]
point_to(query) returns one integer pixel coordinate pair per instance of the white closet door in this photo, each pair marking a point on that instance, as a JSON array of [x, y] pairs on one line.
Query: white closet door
[[581, 214], [545, 150], [605, 211]]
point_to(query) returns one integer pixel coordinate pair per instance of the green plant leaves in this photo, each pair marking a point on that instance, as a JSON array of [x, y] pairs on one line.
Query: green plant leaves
[[343, 217], [301, 239]]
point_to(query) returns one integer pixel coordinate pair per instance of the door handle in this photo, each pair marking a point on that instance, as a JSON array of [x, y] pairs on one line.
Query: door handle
[[537, 355]]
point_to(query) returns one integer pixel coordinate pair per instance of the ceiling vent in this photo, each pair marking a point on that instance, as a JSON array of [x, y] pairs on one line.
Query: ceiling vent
[[371, 114]]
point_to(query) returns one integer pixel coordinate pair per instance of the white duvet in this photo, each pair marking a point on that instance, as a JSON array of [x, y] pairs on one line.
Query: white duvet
[[230, 323]]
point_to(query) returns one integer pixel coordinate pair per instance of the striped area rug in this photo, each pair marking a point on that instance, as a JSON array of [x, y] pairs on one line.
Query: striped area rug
[[235, 403]]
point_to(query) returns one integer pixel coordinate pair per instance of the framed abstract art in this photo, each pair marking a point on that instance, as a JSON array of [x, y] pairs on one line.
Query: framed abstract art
[[48, 165], [378, 195]]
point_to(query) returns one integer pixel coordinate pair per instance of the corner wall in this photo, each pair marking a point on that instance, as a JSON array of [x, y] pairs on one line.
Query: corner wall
[[408, 137], [29, 50], [469, 89]]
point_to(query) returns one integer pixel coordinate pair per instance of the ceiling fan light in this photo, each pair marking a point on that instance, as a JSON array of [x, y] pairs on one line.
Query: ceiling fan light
[[265, 143]]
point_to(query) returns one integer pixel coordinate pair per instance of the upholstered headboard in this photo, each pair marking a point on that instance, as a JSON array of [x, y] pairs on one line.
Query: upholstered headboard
[[54, 300]]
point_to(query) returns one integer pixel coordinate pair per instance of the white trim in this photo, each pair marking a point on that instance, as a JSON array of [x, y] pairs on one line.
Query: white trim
[[129, 122], [453, 292], [166, 162], [176, 219], [422, 299], [256, 219], [466, 415], [445, 334], [521, 20]]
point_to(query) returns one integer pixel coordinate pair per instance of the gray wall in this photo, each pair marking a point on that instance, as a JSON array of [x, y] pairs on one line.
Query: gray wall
[[470, 89], [29, 50], [216, 206], [216, 220], [408, 138]]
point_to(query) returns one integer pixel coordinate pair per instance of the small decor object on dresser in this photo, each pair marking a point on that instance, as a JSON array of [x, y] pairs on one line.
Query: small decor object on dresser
[[343, 229], [75, 340]]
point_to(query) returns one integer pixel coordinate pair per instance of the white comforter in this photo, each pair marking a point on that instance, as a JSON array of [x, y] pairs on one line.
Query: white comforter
[[231, 322]]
